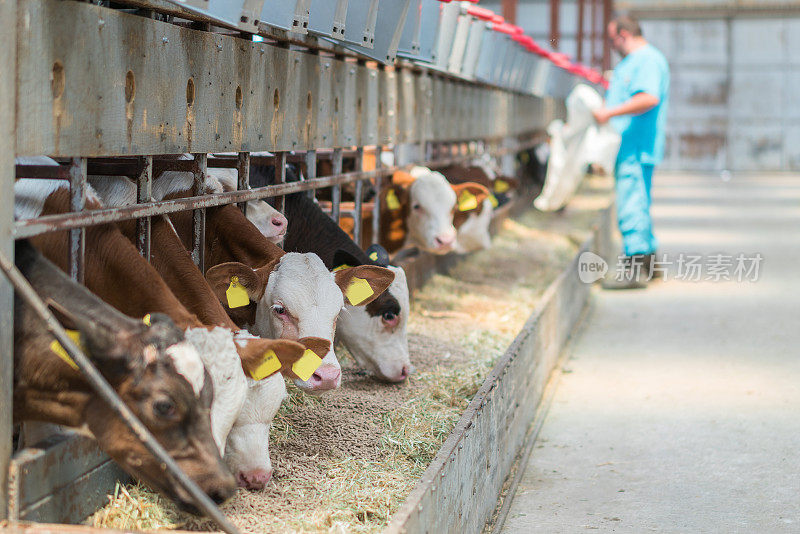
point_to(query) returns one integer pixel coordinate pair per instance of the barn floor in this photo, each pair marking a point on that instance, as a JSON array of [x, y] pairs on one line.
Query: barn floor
[[345, 461], [678, 409]]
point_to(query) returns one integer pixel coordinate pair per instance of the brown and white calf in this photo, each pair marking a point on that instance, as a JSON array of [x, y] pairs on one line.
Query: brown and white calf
[[292, 295], [374, 334], [115, 271], [154, 370]]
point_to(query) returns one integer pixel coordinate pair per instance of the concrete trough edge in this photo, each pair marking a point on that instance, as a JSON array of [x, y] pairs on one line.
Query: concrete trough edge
[[459, 491]]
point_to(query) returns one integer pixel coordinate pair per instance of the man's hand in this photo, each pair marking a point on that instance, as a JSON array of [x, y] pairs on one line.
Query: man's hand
[[601, 115]]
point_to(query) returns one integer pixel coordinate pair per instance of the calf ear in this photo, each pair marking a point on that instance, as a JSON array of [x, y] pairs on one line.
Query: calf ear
[[262, 358], [342, 257], [314, 350], [393, 198], [363, 284], [469, 195], [234, 276]]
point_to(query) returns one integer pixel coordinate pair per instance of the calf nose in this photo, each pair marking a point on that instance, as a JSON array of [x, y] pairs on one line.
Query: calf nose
[[444, 240], [325, 378], [223, 491], [255, 479], [279, 221]]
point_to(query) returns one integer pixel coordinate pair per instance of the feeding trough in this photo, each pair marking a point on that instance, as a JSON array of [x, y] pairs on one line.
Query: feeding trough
[[389, 23], [328, 18]]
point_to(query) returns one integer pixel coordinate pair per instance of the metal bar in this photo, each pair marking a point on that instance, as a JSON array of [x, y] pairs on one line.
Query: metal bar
[[336, 191], [311, 169], [77, 201], [66, 221], [24, 290], [243, 176], [580, 30], [8, 56], [509, 10], [357, 206], [607, 7], [593, 32], [144, 193], [199, 214], [280, 178], [555, 6], [376, 205]]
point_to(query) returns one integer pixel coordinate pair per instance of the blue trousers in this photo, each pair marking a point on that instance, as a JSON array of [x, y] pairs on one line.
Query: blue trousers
[[632, 185]]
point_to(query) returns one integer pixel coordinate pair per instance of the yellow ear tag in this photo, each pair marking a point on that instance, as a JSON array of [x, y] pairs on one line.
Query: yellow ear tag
[[374, 256], [493, 200], [467, 201], [391, 200], [146, 319], [269, 364], [56, 347], [306, 365], [342, 266], [501, 186], [236, 294], [358, 291]]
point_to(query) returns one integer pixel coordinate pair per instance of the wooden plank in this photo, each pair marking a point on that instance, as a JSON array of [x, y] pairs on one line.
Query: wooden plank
[[459, 490], [7, 149], [63, 479]]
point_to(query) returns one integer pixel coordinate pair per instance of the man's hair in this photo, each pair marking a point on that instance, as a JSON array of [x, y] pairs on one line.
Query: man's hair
[[629, 23]]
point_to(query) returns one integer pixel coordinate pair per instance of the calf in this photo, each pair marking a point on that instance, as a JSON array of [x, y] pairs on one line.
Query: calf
[[418, 210], [376, 334], [157, 374], [116, 272], [291, 295], [247, 449]]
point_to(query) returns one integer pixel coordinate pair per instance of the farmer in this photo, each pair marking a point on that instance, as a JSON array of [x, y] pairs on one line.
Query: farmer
[[636, 106]]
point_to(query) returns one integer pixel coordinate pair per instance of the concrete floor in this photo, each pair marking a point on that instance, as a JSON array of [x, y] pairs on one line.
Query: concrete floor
[[679, 410]]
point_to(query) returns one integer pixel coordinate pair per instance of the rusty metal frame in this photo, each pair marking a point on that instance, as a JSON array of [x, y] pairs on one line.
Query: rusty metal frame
[[8, 46], [316, 104]]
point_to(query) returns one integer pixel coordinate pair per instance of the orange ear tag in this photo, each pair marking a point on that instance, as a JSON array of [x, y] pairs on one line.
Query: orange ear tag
[[501, 186], [493, 200], [467, 201], [236, 294], [358, 291], [306, 365], [392, 201], [342, 266], [59, 351], [269, 365]]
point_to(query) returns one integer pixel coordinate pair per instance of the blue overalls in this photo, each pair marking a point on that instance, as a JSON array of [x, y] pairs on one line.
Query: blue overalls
[[642, 71]]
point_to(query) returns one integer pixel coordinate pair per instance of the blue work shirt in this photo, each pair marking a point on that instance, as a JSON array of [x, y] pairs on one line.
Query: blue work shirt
[[642, 71]]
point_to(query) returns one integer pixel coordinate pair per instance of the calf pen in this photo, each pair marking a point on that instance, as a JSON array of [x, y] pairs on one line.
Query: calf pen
[[105, 91]]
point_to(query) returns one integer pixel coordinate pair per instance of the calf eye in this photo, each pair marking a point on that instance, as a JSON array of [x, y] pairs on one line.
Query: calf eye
[[279, 309], [416, 206], [390, 319], [164, 409]]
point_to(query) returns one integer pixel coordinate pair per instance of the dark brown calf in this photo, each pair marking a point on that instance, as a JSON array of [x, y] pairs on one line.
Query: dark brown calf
[[135, 359]]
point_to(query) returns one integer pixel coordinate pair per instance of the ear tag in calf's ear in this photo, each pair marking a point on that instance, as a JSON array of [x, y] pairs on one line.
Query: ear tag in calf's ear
[[391, 200], [467, 201], [501, 186], [270, 364], [146, 319], [306, 365], [236, 294], [341, 267], [358, 291], [493, 200], [374, 256], [56, 347]]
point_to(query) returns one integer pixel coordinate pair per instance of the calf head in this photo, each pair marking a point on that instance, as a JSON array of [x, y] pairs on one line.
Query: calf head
[[247, 449], [375, 334], [296, 296], [428, 202], [157, 374], [267, 219]]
